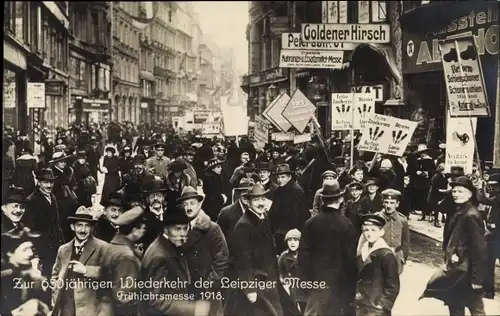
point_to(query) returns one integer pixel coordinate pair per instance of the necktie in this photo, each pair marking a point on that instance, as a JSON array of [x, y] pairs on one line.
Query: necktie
[[78, 250]]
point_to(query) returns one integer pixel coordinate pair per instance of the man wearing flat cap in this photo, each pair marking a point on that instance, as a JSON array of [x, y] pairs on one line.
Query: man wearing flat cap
[[397, 232], [165, 260], [158, 165], [78, 260], [122, 262], [254, 257], [289, 209], [332, 262], [378, 276]]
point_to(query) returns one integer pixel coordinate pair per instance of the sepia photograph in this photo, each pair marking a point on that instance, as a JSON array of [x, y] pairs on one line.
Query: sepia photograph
[[250, 158]]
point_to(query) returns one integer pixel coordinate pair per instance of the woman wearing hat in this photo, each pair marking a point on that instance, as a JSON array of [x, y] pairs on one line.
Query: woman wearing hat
[[112, 175], [86, 185], [25, 170], [126, 161], [213, 187]]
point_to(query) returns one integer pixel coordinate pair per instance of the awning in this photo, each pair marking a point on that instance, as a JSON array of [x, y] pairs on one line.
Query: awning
[[439, 14], [147, 75], [379, 52]]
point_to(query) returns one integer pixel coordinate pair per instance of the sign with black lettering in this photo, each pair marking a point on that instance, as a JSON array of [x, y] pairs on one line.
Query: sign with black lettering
[[290, 58], [464, 78], [347, 33], [294, 41], [421, 51], [377, 90]]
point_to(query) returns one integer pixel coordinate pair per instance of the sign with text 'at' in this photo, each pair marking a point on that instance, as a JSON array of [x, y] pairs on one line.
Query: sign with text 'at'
[[464, 79], [343, 105], [386, 135]]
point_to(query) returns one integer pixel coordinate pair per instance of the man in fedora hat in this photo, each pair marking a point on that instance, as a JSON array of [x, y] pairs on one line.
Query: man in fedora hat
[[205, 250], [13, 209], [176, 180], [166, 254], [254, 257], [78, 260], [140, 175], [333, 262], [289, 209], [156, 208], [229, 215], [158, 165], [122, 262], [42, 215], [465, 254], [106, 227], [264, 172]]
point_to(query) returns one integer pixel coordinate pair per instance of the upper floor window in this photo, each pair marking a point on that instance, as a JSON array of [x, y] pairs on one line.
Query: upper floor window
[[16, 16]]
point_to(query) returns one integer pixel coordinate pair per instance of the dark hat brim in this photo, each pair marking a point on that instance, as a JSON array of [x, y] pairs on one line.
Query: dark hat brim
[[53, 161], [155, 191], [80, 218], [331, 195], [15, 199], [220, 162], [183, 198], [246, 194]]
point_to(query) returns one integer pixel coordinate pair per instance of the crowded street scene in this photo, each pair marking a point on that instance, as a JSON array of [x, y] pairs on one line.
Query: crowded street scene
[[267, 158]]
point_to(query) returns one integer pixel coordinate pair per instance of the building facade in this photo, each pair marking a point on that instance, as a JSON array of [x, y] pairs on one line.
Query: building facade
[[90, 62], [35, 51], [126, 103]]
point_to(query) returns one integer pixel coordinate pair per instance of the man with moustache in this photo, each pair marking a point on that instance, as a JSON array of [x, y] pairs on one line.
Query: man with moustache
[[42, 216], [106, 227], [289, 209], [80, 260], [13, 209], [254, 257], [229, 215], [156, 208], [206, 251], [333, 262], [122, 261], [165, 259], [264, 172]]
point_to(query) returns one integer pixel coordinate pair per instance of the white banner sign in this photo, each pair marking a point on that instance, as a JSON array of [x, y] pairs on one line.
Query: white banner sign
[[377, 89], [464, 79], [343, 104], [386, 135], [36, 95], [274, 111], [294, 41], [9, 94], [282, 137], [350, 33], [290, 58], [303, 138], [460, 143], [235, 121], [260, 132]]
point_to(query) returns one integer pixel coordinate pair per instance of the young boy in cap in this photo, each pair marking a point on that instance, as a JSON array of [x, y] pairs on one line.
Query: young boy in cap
[[353, 207], [288, 264], [371, 202], [378, 277]]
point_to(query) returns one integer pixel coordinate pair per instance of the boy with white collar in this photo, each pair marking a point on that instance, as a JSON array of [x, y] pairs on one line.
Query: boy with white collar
[[378, 277]]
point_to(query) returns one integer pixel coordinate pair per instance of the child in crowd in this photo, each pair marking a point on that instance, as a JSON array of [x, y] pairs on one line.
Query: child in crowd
[[288, 267]]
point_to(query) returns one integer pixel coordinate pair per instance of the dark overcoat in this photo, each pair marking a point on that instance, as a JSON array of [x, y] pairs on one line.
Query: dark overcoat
[[463, 236], [163, 261], [288, 211], [333, 262], [121, 264], [228, 217], [253, 256], [104, 230], [213, 188]]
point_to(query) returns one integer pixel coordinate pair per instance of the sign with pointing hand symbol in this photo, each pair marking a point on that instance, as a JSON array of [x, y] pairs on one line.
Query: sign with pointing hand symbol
[[362, 104]]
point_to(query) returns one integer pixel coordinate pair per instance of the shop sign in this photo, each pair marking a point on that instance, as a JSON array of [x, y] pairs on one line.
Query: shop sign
[[350, 33], [53, 88], [386, 135], [268, 76], [421, 51], [464, 80], [378, 91], [93, 105], [294, 41], [36, 95], [311, 59], [144, 105], [9, 94], [260, 132], [200, 116]]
